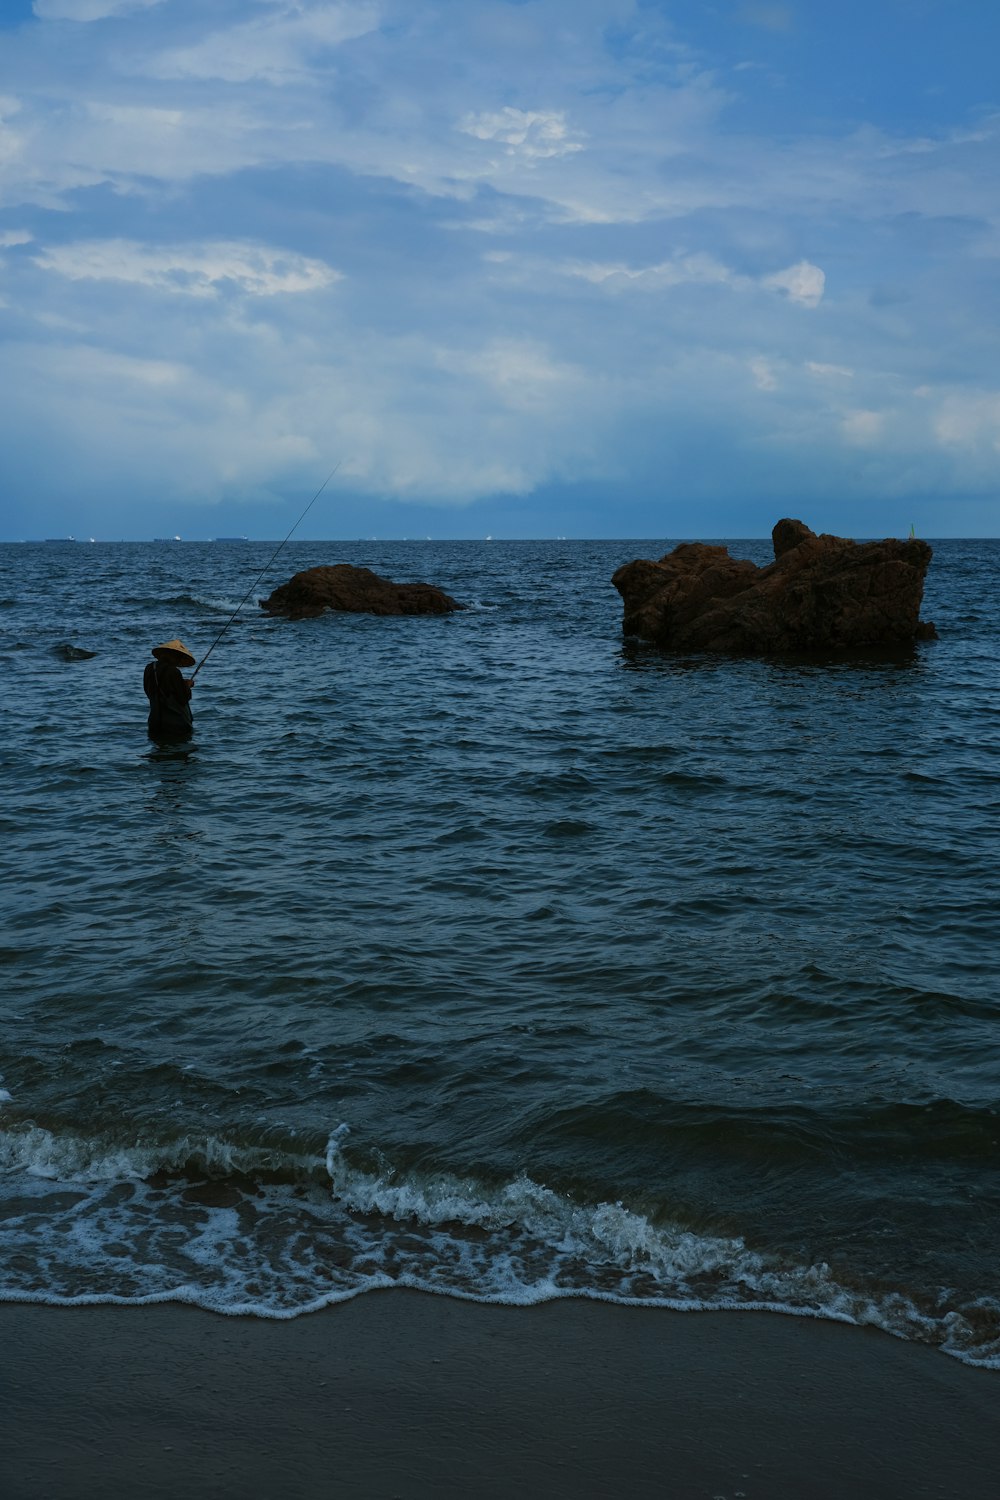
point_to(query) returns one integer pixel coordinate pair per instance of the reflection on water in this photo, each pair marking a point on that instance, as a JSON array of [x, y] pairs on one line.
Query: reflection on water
[[172, 752], [175, 764], [645, 656]]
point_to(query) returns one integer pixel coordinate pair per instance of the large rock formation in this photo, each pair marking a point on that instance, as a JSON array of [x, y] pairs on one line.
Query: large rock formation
[[820, 593], [356, 589]]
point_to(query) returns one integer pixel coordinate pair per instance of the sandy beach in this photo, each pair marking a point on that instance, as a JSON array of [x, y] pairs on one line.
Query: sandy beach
[[409, 1395]]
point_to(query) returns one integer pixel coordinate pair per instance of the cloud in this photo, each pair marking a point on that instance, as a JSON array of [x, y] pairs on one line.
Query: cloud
[[639, 293], [763, 374], [413, 416], [676, 272], [88, 10], [969, 420], [520, 372], [193, 270], [61, 149], [87, 364], [280, 47], [821, 371], [771, 17], [803, 283], [11, 141], [534, 135], [863, 428]]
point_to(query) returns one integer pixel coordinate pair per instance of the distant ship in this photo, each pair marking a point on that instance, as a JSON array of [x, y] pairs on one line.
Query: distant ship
[[51, 539], [166, 539], [230, 539]]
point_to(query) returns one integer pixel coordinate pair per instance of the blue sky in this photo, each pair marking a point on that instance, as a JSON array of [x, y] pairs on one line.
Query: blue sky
[[525, 267]]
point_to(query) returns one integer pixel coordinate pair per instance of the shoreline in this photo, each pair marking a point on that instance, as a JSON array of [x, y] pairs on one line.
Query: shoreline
[[402, 1393]]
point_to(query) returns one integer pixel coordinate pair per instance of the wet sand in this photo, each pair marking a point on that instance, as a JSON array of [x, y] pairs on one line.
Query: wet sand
[[402, 1394]]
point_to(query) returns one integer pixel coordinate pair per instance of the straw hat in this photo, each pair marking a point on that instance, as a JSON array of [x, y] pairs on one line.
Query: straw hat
[[171, 649]]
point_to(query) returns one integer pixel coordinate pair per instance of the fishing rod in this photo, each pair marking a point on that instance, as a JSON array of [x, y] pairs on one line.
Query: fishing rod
[[263, 570]]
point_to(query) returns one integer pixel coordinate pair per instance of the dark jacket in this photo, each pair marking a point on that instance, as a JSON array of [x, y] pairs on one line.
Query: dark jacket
[[169, 697]]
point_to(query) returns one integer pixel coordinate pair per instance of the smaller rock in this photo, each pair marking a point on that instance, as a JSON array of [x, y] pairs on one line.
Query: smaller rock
[[356, 590], [73, 653]]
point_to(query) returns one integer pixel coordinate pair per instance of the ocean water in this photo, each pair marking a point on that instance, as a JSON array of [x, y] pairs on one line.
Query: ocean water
[[494, 954]]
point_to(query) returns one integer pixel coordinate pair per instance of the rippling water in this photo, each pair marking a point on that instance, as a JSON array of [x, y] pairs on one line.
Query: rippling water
[[495, 954]]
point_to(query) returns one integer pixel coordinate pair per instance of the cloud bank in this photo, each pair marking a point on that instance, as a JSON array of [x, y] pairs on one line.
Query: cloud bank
[[495, 250]]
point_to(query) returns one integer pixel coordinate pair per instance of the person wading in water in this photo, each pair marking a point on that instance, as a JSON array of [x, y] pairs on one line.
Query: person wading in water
[[168, 692]]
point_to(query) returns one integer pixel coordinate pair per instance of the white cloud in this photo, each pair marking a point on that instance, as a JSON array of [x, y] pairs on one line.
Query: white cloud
[[279, 47], [969, 420], [11, 141], [803, 283], [14, 237], [60, 148], [87, 10], [676, 272], [519, 371], [83, 364], [763, 374], [195, 270], [534, 135], [413, 417], [771, 17], [821, 371], [862, 428]]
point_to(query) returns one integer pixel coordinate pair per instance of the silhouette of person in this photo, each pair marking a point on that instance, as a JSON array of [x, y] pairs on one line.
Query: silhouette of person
[[168, 692]]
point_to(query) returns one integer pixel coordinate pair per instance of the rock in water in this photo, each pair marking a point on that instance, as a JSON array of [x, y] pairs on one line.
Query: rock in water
[[358, 590], [820, 593], [69, 652]]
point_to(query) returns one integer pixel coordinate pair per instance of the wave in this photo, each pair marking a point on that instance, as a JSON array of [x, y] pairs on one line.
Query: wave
[[230, 606], [197, 601], [65, 1156], [276, 1229], [878, 1131]]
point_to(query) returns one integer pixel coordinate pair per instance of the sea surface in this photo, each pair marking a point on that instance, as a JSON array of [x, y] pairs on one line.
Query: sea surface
[[495, 954]]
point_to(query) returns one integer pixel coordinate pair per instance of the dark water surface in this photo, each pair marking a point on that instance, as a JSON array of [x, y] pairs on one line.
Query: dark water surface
[[493, 954]]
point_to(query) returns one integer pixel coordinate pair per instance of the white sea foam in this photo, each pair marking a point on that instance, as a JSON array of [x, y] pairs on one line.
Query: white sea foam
[[229, 606], [79, 1159], [93, 1222]]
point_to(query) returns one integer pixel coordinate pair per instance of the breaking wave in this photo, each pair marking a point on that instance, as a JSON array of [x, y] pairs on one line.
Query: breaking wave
[[274, 1230], [199, 602]]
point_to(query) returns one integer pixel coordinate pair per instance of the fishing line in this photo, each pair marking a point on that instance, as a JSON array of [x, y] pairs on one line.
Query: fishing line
[[263, 570]]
